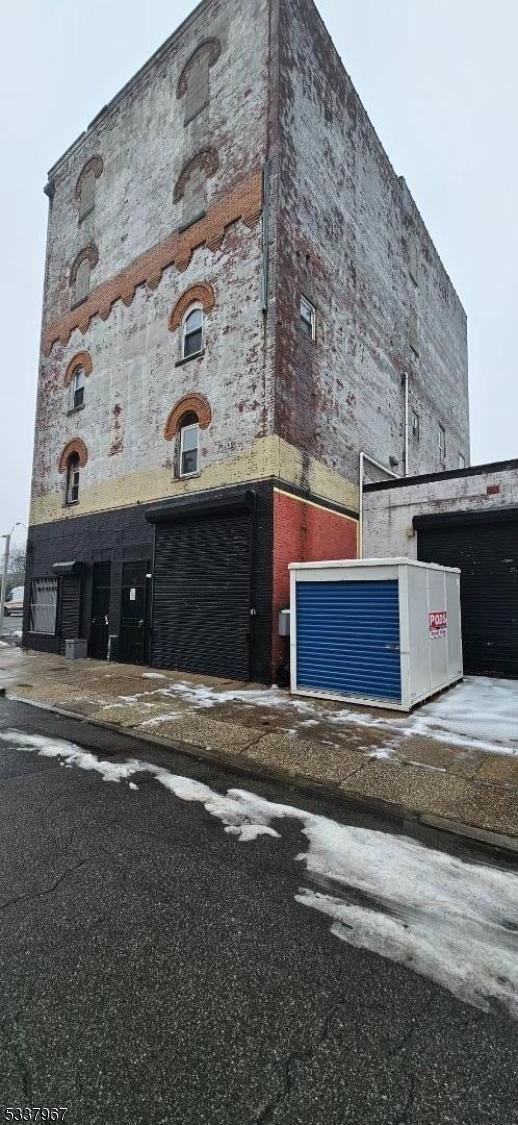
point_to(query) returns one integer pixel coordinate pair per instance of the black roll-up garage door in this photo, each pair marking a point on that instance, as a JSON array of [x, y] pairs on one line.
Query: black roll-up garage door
[[69, 607], [487, 553], [201, 594]]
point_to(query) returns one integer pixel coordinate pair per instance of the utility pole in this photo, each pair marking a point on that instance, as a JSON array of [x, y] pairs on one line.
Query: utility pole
[[5, 570], [4, 578]]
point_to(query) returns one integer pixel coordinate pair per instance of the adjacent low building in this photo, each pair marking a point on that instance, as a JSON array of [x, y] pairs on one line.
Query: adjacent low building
[[241, 297], [466, 519]]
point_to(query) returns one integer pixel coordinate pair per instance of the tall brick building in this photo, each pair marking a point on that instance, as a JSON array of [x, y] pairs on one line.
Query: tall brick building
[[240, 297]]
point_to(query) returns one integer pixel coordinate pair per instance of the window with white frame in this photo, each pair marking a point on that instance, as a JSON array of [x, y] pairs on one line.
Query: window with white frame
[[308, 317], [416, 429], [442, 444], [192, 332], [44, 604], [78, 388], [72, 482], [189, 445]]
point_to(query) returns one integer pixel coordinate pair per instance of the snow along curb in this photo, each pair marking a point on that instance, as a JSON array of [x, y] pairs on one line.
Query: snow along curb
[[468, 835]]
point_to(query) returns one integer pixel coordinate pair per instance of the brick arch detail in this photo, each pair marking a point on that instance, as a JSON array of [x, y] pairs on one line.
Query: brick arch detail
[[195, 404], [202, 293], [213, 49], [91, 252], [95, 165], [81, 359], [207, 158], [78, 446]]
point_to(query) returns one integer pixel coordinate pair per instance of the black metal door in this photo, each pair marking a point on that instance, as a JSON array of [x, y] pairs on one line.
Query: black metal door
[[70, 607], [201, 595], [133, 622], [487, 554], [100, 617]]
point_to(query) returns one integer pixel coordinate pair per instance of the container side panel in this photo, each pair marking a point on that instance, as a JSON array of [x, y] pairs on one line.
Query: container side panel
[[418, 608]]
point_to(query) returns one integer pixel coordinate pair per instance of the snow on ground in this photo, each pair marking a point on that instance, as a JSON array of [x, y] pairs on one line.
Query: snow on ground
[[153, 676], [449, 920], [479, 713]]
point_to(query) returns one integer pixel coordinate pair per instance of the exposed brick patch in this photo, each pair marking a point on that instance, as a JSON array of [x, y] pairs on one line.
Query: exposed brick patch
[[94, 165], [213, 49], [91, 253], [75, 446], [197, 404], [207, 159], [82, 359], [304, 532], [203, 292], [243, 203]]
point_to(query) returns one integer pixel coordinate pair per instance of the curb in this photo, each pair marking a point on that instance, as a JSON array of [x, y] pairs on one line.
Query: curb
[[423, 825]]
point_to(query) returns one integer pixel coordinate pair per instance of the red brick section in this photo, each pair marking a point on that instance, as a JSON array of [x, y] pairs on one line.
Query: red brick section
[[244, 202], [195, 404], [82, 359], [75, 446], [303, 532], [203, 292]]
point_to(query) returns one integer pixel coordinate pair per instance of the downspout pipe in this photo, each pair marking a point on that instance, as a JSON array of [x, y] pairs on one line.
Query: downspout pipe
[[407, 423], [366, 459]]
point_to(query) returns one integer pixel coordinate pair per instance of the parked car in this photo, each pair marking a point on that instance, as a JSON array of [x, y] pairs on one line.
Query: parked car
[[14, 602]]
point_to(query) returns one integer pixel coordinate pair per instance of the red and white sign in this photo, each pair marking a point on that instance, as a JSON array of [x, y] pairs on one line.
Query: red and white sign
[[438, 623]]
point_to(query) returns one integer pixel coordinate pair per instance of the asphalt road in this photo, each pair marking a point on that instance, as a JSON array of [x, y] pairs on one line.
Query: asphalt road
[[154, 969]]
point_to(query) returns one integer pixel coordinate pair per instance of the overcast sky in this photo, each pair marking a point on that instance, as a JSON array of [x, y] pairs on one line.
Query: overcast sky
[[440, 83]]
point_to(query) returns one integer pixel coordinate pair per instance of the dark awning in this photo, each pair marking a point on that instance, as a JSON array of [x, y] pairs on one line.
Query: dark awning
[[63, 568], [185, 507]]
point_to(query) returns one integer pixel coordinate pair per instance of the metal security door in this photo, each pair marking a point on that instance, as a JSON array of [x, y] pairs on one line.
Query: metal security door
[[201, 599], [133, 622], [487, 553], [100, 618], [348, 638]]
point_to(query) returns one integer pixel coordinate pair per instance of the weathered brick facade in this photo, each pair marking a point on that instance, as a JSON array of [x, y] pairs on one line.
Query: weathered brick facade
[[238, 170]]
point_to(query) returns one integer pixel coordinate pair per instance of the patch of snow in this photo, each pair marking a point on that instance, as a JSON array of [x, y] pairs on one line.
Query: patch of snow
[[132, 785], [157, 719], [153, 676], [3, 644], [383, 754], [452, 921], [480, 712]]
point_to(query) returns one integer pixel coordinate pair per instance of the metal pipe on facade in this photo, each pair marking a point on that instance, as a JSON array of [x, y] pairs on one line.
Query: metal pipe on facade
[[407, 423], [383, 468]]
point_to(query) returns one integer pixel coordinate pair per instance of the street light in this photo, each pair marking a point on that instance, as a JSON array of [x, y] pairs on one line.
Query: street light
[[6, 567]]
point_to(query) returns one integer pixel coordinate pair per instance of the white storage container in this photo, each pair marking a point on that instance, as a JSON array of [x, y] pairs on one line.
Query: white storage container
[[386, 632]]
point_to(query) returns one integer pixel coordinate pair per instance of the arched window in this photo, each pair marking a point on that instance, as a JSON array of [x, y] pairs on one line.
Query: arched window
[[86, 184], [193, 83], [80, 274], [82, 285], [189, 444], [72, 480], [191, 186], [78, 388], [192, 332]]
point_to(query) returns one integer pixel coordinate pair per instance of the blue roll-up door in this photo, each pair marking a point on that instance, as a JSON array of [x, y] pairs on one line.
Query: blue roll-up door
[[348, 638]]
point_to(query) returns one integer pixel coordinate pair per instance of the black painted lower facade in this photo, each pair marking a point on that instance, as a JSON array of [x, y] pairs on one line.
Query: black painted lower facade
[[183, 584]]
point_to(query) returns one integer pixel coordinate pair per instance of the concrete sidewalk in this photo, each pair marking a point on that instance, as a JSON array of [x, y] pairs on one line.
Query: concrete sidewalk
[[411, 764]]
